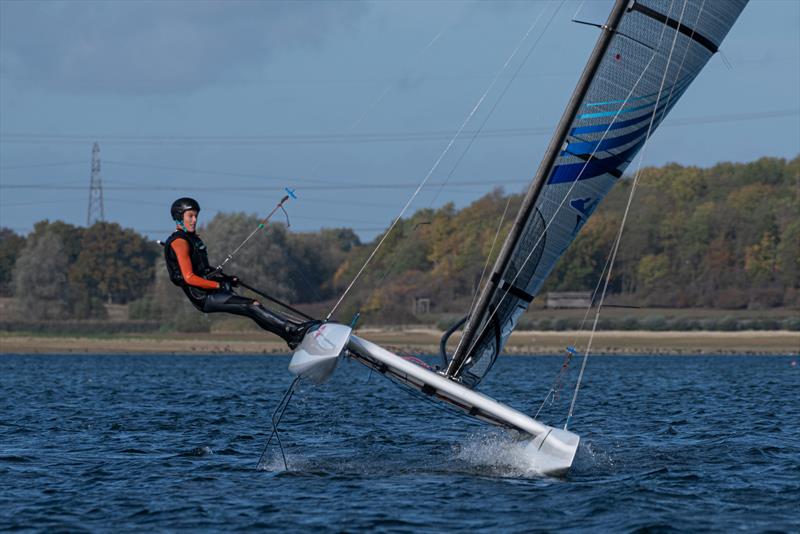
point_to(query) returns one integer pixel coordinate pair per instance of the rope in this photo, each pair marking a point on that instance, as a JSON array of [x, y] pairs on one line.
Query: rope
[[624, 219], [433, 168]]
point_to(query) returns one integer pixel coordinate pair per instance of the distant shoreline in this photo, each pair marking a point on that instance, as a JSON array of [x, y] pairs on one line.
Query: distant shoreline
[[419, 341]]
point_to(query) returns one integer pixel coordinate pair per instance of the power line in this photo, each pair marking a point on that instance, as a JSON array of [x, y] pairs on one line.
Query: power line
[[281, 180], [337, 138], [37, 202], [205, 209], [37, 165], [167, 229], [139, 185], [217, 210], [245, 188], [49, 185]]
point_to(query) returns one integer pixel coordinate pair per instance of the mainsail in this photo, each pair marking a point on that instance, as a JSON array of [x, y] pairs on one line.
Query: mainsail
[[648, 54]]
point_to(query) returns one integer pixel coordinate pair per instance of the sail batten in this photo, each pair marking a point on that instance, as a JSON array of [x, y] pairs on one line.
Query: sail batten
[[625, 92]]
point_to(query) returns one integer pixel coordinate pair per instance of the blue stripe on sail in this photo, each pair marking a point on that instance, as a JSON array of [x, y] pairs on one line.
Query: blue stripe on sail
[[683, 84], [595, 128], [569, 172], [633, 99], [580, 130], [587, 147], [614, 112]]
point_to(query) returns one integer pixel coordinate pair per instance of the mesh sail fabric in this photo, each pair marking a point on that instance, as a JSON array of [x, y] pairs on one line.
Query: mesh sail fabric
[[610, 127]]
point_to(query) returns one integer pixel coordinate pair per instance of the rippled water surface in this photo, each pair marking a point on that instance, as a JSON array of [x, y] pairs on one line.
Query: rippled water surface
[[170, 442]]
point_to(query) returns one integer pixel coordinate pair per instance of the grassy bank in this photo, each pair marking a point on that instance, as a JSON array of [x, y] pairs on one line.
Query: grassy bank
[[413, 340]]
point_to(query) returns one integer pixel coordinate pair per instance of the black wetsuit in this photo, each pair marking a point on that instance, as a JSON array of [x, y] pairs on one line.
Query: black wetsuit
[[223, 299]]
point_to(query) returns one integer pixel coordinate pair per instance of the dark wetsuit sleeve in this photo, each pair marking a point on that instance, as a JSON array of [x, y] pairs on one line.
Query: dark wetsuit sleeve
[[181, 249]]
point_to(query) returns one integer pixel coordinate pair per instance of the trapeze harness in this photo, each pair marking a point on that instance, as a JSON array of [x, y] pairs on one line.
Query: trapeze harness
[[187, 262]]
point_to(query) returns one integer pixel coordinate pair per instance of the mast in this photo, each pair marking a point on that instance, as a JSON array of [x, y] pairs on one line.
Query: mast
[[495, 281]]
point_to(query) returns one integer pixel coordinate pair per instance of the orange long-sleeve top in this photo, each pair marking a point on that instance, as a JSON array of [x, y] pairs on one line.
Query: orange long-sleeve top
[[181, 249]]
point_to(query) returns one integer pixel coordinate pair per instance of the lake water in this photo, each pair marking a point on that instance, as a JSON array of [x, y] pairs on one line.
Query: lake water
[[145, 442]]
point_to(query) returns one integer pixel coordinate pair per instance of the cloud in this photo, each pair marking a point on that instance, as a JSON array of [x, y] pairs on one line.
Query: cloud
[[156, 46]]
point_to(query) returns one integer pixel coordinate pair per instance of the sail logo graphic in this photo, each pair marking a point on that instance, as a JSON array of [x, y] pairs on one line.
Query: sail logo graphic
[[322, 340], [585, 206]]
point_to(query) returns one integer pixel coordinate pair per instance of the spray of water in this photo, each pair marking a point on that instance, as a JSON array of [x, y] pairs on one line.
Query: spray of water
[[273, 463], [498, 453]]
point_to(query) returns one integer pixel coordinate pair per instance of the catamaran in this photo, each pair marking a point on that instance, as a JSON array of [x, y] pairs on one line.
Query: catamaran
[[646, 57]]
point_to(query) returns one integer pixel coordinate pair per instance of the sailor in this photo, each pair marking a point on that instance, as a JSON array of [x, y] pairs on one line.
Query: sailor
[[211, 290]]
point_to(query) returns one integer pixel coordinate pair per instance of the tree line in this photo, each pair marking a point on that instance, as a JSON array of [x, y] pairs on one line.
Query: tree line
[[725, 237]]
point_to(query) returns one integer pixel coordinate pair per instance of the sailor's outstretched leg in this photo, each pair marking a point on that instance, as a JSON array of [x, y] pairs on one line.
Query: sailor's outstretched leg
[[229, 302]]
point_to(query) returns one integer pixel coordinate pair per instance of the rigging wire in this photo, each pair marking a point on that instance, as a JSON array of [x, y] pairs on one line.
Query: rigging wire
[[625, 215], [557, 382], [508, 202], [377, 101], [433, 168], [262, 224], [277, 415], [474, 136], [555, 387], [497, 101], [683, 59], [578, 11], [352, 127], [561, 204], [489, 256]]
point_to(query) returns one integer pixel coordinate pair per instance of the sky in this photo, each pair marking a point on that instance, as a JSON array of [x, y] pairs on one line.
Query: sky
[[350, 103]]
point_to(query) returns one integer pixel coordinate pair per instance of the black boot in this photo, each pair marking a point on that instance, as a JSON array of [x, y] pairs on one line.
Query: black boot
[[270, 321], [296, 332]]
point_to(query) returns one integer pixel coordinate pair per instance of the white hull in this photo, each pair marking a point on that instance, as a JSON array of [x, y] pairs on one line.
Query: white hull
[[316, 357], [551, 450]]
